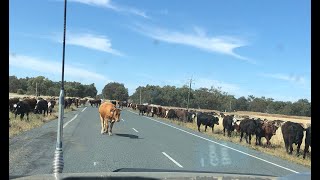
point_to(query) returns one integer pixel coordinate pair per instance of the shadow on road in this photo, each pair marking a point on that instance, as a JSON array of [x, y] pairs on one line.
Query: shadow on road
[[129, 136]]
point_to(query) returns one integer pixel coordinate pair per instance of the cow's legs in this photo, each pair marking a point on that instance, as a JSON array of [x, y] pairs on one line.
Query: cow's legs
[[241, 135], [205, 128], [111, 125], [291, 148], [102, 124], [224, 131], [212, 128], [287, 146], [298, 149]]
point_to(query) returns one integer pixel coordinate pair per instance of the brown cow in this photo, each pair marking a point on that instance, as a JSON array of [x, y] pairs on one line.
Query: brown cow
[[265, 129], [108, 114]]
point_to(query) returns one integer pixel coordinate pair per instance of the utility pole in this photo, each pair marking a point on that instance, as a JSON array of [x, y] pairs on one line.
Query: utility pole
[[140, 95], [189, 94]]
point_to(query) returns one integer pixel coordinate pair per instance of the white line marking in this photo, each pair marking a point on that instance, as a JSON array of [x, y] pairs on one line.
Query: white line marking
[[172, 159], [70, 121], [83, 109], [123, 120], [219, 144], [202, 162], [135, 130]]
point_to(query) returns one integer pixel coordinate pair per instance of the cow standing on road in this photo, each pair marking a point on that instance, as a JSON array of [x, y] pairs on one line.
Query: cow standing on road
[[109, 114]]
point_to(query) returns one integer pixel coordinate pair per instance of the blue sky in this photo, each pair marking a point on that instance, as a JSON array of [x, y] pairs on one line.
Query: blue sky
[[259, 48]]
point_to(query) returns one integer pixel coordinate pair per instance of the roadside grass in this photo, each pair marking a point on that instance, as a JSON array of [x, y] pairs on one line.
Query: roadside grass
[[276, 149], [16, 126]]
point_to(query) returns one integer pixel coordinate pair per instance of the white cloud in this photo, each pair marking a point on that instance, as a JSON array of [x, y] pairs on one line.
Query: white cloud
[[290, 78], [110, 5], [51, 67], [198, 39], [104, 3], [92, 41]]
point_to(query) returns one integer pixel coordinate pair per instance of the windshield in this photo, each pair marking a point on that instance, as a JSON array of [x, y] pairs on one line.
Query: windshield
[[201, 86]]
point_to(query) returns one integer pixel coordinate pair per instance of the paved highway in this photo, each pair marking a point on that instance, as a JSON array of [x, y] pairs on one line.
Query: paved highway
[[137, 142]]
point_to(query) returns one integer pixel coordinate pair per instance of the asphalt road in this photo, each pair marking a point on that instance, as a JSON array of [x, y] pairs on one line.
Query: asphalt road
[[137, 142]]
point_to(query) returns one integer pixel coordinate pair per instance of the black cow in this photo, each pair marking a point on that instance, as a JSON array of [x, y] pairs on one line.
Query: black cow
[[191, 116], [76, 102], [67, 103], [171, 114], [22, 107], [42, 105], [228, 124], [31, 101], [12, 102], [206, 120], [142, 108], [249, 127], [292, 133], [307, 141]]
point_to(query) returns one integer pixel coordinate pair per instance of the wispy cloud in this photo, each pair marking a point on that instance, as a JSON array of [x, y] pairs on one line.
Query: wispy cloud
[[113, 6], [198, 39], [290, 78], [50, 67], [92, 41]]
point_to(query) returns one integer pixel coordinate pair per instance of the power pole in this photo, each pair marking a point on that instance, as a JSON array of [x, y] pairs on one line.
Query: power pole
[[189, 94], [140, 95]]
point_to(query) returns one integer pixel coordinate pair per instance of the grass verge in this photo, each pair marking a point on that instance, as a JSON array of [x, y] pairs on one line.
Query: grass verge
[[16, 126]]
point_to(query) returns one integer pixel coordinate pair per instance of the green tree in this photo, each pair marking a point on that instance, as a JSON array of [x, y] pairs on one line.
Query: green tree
[[14, 84], [241, 104], [115, 91]]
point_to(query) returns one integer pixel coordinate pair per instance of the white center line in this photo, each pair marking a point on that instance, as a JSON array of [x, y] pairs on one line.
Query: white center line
[[70, 121], [83, 109], [122, 119], [220, 144], [135, 130], [172, 159]]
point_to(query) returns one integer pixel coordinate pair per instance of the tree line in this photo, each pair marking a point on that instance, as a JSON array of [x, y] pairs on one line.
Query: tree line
[[204, 98], [42, 86], [215, 98]]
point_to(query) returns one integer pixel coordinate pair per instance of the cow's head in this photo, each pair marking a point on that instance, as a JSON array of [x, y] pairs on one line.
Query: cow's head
[[271, 127], [116, 114]]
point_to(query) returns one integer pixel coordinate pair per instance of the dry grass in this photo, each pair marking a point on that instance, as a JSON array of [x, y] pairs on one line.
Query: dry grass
[[16, 126], [277, 145]]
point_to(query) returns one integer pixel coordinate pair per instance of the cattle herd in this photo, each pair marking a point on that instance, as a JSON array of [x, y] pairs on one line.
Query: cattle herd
[[26, 105], [292, 133]]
